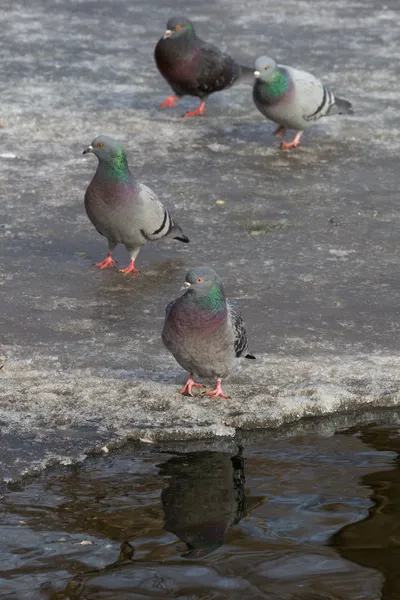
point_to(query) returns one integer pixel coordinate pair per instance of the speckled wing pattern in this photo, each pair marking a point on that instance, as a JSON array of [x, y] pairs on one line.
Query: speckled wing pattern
[[240, 337], [216, 71]]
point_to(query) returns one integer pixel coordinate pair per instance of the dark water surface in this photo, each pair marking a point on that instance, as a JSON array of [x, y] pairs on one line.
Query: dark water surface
[[276, 516]]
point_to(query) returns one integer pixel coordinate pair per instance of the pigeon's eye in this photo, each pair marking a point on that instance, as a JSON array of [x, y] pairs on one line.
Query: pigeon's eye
[[178, 28], [200, 280], [100, 144], [265, 68]]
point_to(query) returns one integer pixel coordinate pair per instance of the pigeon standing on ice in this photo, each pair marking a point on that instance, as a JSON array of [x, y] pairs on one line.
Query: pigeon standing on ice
[[122, 209], [192, 66], [205, 334], [294, 99]]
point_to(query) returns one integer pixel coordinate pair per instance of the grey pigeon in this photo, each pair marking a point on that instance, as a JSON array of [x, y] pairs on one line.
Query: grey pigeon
[[122, 209], [193, 66], [294, 99], [205, 334]]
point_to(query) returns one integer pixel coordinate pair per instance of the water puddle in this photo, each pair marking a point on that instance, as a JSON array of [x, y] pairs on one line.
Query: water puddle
[[299, 517]]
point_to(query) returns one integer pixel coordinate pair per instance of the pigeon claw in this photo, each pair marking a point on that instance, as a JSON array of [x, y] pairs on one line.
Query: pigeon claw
[[129, 269], [187, 388], [294, 143], [217, 392], [107, 262], [169, 102], [201, 109], [288, 145]]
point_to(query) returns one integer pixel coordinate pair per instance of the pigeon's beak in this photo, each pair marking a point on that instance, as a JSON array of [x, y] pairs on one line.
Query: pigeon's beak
[[167, 34], [256, 74], [185, 286], [88, 149]]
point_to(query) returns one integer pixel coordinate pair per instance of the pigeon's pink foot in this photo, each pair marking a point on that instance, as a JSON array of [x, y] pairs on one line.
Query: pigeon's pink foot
[[130, 269], [279, 131], [187, 388], [294, 143], [107, 262], [201, 109], [170, 102], [217, 391]]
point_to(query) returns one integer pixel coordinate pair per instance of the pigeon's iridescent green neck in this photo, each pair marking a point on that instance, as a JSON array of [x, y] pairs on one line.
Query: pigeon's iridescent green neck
[[214, 300], [276, 85], [118, 166]]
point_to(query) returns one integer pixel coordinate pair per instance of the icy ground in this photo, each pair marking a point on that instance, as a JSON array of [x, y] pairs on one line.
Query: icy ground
[[307, 241]]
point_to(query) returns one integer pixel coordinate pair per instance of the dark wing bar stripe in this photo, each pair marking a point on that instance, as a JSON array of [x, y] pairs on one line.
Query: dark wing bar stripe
[[162, 224], [320, 107]]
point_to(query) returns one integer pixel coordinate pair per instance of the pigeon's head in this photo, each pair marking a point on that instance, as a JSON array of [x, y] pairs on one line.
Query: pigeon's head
[[201, 280], [265, 66], [177, 27], [105, 148]]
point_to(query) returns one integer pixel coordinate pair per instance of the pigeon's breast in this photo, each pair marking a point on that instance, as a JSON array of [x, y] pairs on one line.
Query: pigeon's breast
[[175, 67], [110, 207], [282, 109], [201, 341]]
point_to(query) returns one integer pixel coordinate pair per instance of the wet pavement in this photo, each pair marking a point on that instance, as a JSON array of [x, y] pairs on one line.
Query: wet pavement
[[306, 241]]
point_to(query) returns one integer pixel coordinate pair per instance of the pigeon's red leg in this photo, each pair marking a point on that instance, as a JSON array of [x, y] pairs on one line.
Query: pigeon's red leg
[[217, 391], [130, 269], [279, 131], [107, 262], [133, 252], [187, 388], [201, 109], [169, 102], [294, 143]]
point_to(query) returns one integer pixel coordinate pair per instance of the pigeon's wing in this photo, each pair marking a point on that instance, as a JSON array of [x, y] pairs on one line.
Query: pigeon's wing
[[314, 98], [240, 337], [155, 220], [215, 70], [168, 307]]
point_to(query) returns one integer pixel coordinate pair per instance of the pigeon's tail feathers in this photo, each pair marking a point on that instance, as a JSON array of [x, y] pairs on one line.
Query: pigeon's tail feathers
[[177, 233], [341, 107]]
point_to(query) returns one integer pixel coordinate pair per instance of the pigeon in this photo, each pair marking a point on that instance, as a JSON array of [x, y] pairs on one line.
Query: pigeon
[[193, 66], [205, 334], [294, 99], [122, 209]]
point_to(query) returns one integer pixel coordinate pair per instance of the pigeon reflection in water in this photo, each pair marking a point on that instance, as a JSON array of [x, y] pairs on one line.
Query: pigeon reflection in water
[[204, 497]]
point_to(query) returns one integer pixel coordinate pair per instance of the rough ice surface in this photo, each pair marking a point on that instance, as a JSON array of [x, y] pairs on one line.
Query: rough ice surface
[[306, 241]]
